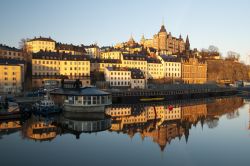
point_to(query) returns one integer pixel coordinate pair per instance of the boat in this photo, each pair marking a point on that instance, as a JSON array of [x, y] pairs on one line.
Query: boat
[[45, 106], [9, 110], [152, 99]]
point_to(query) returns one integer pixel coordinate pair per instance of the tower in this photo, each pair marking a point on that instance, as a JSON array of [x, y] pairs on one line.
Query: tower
[[162, 38], [187, 46]]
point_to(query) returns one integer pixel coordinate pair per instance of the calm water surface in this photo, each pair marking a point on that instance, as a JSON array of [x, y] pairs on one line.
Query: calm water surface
[[211, 132]]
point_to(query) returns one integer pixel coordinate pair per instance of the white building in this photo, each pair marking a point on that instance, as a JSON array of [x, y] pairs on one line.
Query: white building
[[125, 78], [171, 66]]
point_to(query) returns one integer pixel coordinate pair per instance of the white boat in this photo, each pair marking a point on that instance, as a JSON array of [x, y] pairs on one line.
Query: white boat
[[45, 106]]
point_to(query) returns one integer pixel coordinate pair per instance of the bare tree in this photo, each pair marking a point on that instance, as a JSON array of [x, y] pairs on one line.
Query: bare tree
[[231, 55]]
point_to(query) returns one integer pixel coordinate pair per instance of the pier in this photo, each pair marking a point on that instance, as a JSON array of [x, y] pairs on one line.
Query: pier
[[180, 91]]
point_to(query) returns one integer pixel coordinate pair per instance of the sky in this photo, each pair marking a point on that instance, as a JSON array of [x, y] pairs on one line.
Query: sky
[[223, 23]]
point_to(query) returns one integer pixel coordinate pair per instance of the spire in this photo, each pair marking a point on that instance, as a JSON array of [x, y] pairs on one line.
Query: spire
[[131, 39], [163, 29], [180, 37], [187, 43]]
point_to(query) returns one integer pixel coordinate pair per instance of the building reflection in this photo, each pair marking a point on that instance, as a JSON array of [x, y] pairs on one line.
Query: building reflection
[[162, 124], [39, 129], [9, 127], [83, 124], [157, 121]]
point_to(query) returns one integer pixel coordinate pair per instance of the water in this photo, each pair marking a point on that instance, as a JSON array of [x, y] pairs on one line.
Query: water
[[211, 132]]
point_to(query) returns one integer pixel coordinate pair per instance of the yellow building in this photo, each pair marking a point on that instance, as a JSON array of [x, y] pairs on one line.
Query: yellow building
[[112, 54], [194, 71], [40, 43], [101, 64], [92, 50], [137, 61], [54, 65], [7, 52], [11, 76], [155, 68], [164, 41]]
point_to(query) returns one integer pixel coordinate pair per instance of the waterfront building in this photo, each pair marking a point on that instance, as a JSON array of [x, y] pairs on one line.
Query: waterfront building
[[138, 61], [41, 43], [138, 80], [164, 41], [55, 65], [125, 78], [7, 52], [118, 77], [155, 68], [194, 71], [171, 67], [11, 76]]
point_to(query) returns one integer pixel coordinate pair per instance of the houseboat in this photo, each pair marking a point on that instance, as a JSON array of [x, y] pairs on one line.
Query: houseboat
[[81, 99]]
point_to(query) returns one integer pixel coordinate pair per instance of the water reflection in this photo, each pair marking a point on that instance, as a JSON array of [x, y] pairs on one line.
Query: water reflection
[[156, 121]]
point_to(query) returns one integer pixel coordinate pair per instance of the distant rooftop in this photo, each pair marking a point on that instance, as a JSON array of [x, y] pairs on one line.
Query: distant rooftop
[[8, 48], [71, 47], [140, 57], [170, 58], [97, 60], [153, 60], [40, 38]]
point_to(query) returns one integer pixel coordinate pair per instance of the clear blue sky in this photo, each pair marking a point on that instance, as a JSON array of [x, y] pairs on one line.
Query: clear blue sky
[[224, 23]]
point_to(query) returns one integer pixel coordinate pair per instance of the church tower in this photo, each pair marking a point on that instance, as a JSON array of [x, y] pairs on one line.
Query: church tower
[[187, 46], [162, 38]]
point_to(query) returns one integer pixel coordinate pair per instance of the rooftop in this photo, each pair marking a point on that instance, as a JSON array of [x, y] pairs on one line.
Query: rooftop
[[153, 60], [105, 60], [8, 48], [71, 47], [170, 58], [40, 38], [140, 57], [59, 56]]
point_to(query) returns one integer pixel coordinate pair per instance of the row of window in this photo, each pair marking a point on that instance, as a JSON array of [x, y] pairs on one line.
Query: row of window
[[118, 83], [58, 62], [10, 53], [56, 74]]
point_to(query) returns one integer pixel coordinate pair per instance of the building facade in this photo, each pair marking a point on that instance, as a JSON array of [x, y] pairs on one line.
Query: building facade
[[41, 43], [171, 67], [194, 71], [155, 69], [11, 76], [125, 78], [7, 52], [54, 65], [164, 41]]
